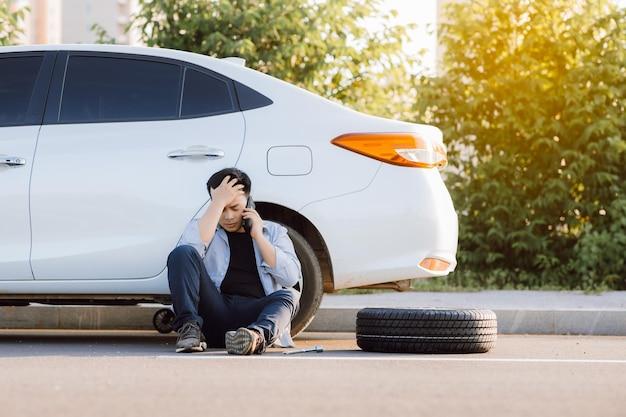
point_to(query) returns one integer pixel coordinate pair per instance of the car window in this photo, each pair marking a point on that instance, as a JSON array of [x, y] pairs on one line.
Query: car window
[[205, 95], [16, 87], [250, 99], [100, 89]]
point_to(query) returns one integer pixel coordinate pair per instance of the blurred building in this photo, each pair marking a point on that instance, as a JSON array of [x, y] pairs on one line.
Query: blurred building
[[70, 21]]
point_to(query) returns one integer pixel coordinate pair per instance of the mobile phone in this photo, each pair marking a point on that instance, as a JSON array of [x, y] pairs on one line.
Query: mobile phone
[[247, 223]]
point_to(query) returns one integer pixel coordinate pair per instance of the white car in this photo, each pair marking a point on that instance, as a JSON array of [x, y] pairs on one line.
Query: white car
[[105, 151]]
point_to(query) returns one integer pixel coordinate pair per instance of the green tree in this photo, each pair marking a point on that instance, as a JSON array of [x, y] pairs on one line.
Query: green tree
[[531, 99], [322, 46], [102, 36], [10, 22]]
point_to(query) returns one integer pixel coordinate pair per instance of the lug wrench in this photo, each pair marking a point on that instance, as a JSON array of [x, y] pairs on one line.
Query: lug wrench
[[316, 348]]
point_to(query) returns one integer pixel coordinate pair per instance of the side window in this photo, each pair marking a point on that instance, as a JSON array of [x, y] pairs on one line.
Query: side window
[[16, 87], [204, 95], [103, 89], [250, 99]]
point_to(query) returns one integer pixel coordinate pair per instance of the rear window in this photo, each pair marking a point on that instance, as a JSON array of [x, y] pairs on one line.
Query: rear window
[[17, 81], [204, 95], [103, 89]]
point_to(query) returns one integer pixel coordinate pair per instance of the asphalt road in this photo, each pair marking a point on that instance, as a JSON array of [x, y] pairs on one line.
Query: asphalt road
[[117, 373]]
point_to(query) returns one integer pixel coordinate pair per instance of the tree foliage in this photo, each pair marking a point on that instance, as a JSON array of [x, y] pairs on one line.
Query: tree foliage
[[322, 46], [101, 34], [531, 100], [10, 21]]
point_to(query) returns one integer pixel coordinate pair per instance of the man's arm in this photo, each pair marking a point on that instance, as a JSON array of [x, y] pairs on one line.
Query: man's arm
[[200, 232], [208, 222], [191, 237], [281, 261], [268, 251], [220, 197], [279, 256]]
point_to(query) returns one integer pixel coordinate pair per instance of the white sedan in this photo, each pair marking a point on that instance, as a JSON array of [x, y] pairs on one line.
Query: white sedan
[[105, 151]]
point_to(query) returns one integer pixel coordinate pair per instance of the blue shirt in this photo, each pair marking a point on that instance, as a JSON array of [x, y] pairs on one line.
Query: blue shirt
[[216, 257]]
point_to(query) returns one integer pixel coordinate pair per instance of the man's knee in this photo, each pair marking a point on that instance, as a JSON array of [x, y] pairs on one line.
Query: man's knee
[[182, 252], [290, 294]]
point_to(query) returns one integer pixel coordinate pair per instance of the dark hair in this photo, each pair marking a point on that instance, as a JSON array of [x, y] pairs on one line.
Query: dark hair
[[242, 178]]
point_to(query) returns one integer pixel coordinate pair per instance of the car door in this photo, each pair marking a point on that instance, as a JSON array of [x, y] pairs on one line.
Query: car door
[[126, 148], [24, 79]]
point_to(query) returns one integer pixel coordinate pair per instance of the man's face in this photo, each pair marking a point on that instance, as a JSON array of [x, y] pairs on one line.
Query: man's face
[[232, 216]]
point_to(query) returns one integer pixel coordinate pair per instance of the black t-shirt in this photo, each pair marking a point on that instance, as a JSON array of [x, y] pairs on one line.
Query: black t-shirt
[[242, 276]]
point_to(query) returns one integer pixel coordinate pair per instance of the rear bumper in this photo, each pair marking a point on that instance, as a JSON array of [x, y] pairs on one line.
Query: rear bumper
[[383, 232]]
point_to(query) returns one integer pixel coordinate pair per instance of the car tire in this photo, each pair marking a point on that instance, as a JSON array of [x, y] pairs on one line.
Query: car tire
[[426, 330], [313, 289]]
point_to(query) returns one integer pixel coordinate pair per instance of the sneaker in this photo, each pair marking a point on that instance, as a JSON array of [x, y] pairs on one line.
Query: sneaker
[[190, 338], [243, 341]]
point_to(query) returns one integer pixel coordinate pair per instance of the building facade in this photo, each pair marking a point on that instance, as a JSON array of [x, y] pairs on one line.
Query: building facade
[[70, 21]]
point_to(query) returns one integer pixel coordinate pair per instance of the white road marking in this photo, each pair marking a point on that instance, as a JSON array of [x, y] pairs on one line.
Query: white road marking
[[390, 358]]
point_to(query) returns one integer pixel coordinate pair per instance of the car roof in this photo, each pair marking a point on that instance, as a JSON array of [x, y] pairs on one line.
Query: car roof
[[141, 50], [224, 65]]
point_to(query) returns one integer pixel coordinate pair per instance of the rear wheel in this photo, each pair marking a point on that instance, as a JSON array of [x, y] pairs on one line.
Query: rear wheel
[[310, 286]]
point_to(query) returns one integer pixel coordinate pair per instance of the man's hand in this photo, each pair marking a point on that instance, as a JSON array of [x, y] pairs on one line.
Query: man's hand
[[226, 192], [268, 252], [220, 198], [257, 223]]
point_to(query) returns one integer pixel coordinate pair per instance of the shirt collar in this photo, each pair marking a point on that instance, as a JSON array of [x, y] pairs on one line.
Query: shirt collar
[[265, 226]]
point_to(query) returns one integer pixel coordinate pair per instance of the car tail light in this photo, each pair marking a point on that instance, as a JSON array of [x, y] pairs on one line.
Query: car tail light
[[434, 264], [404, 149]]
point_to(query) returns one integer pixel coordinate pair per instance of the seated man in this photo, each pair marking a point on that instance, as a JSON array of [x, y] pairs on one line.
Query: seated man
[[231, 287]]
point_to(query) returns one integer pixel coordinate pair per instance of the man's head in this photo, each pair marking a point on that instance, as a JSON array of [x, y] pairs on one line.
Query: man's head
[[231, 218]]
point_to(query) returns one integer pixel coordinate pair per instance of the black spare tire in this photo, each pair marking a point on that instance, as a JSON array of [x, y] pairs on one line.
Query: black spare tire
[[432, 330]]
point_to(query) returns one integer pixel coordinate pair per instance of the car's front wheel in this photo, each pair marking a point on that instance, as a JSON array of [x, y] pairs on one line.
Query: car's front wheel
[[310, 286]]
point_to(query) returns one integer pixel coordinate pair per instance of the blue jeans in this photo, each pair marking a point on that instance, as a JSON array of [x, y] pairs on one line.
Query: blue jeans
[[195, 297]]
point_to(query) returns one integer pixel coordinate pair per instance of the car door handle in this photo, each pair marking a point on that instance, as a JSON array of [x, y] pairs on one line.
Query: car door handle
[[200, 151], [12, 160]]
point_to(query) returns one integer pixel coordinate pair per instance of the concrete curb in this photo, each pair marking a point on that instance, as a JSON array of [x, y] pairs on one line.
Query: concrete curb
[[510, 321], [554, 322]]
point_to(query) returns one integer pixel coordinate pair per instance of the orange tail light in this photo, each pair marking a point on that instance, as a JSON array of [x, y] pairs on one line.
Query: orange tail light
[[404, 149]]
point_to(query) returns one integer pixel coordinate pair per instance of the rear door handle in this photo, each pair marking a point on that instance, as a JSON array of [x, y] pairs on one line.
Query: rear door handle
[[197, 151], [12, 160]]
